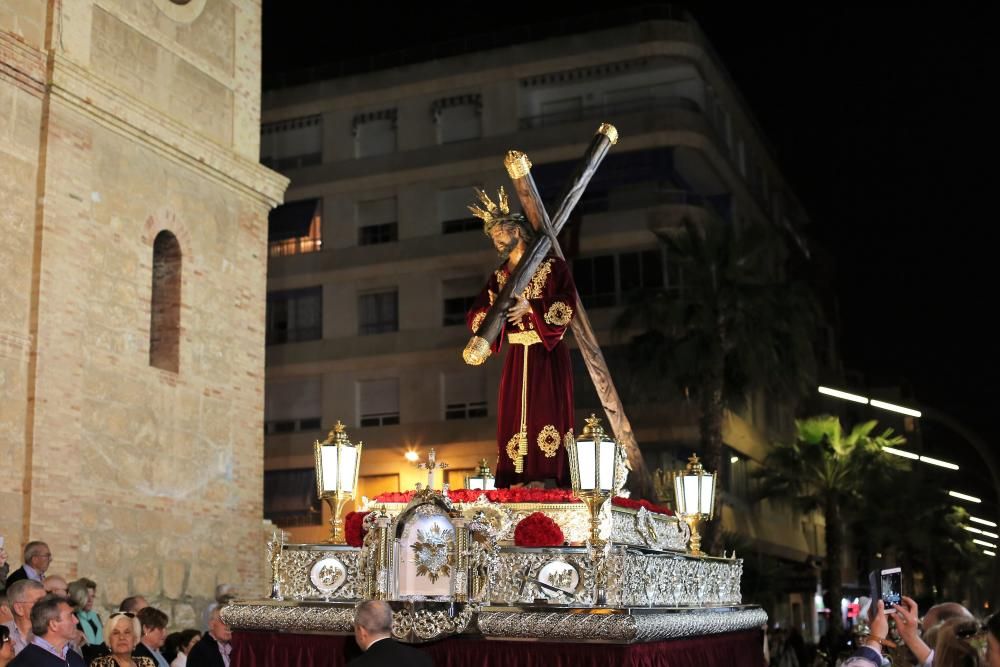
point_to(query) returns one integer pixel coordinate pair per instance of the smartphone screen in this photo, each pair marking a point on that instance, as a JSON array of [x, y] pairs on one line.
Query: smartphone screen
[[892, 587]]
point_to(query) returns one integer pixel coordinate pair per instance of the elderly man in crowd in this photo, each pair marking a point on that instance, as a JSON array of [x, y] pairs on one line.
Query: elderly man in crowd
[[133, 604], [373, 632], [213, 649], [37, 558], [22, 596], [54, 626], [56, 585]]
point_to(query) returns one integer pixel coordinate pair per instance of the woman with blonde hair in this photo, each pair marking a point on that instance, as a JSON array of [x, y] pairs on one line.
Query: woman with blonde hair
[[961, 642], [121, 634]]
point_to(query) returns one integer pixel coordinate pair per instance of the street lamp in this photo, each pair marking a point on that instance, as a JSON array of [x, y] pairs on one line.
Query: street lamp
[[337, 465], [694, 493], [482, 480], [595, 474]]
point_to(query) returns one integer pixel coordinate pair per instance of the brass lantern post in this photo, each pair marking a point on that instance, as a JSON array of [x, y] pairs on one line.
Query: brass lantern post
[[694, 493], [595, 476], [337, 465]]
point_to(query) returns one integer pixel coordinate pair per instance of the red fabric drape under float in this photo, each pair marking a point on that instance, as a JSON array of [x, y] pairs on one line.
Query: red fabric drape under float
[[737, 649]]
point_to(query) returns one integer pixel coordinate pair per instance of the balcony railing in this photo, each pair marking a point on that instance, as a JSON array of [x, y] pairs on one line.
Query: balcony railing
[[297, 246], [608, 111]]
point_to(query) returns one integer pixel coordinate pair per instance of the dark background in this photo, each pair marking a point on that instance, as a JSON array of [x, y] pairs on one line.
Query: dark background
[[880, 121]]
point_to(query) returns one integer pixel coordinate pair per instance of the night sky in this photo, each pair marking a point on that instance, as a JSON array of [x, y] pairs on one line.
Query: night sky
[[879, 121]]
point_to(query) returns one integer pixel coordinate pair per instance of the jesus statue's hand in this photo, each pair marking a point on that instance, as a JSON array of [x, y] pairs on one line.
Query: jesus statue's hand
[[520, 308]]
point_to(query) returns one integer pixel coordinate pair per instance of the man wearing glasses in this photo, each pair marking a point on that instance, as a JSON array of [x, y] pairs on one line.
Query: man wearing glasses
[[22, 596], [37, 558]]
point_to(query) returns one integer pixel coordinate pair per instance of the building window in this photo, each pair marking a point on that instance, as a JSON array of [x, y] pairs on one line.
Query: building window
[[378, 402], [374, 133], [458, 296], [293, 405], [293, 143], [639, 271], [295, 315], [608, 280], [595, 280], [453, 210], [464, 394], [458, 118], [378, 313], [377, 221], [295, 228], [290, 497], [165, 304]]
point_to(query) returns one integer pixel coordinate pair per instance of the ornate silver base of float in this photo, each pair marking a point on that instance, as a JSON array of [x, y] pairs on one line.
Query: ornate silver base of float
[[416, 622], [446, 571]]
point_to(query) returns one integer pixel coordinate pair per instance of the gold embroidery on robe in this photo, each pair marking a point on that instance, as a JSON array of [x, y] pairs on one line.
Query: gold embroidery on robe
[[512, 448], [548, 441], [559, 314], [537, 284], [477, 321]]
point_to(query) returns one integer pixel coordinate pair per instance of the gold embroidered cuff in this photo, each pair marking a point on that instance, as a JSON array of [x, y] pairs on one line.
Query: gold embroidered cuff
[[559, 314], [477, 321]]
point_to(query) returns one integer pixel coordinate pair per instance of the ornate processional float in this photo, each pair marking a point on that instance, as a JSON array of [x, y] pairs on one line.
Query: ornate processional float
[[558, 565]]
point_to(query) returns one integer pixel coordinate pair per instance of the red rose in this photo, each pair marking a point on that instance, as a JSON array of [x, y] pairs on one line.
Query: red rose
[[538, 530]]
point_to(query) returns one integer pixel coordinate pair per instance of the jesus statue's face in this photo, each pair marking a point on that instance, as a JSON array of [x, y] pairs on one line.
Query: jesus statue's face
[[505, 238]]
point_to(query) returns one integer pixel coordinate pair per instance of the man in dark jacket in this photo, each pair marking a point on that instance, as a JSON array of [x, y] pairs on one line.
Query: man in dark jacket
[[212, 650], [54, 625], [373, 632]]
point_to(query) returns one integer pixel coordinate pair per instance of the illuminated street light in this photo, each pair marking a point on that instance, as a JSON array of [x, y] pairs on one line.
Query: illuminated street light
[[984, 544], [836, 393], [973, 530], [989, 553], [900, 452], [734, 459], [895, 408], [984, 533], [976, 519], [939, 462], [411, 455], [962, 496]]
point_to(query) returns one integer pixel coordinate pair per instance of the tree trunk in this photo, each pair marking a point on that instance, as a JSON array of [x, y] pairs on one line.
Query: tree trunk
[[710, 429], [832, 582]]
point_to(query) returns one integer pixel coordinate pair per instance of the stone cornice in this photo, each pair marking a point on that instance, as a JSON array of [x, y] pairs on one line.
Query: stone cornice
[[92, 96], [21, 64]]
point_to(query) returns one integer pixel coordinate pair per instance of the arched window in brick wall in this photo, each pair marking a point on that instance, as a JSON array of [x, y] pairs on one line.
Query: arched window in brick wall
[[165, 304]]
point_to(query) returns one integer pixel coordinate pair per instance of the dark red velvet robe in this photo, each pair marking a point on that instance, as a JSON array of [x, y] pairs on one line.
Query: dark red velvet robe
[[549, 399]]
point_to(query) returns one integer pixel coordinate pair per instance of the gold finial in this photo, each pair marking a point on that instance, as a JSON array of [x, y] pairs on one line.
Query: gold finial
[[517, 163], [477, 351], [694, 464], [337, 435], [608, 130], [592, 429]]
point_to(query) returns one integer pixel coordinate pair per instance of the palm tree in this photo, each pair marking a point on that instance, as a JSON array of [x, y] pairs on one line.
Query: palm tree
[[826, 470], [736, 326]]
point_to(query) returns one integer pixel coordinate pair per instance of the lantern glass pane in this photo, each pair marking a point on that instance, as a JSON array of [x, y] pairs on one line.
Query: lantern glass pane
[[679, 494], [475, 483], [691, 493], [329, 458], [348, 466], [585, 457], [607, 465], [707, 486], [491, 484]]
